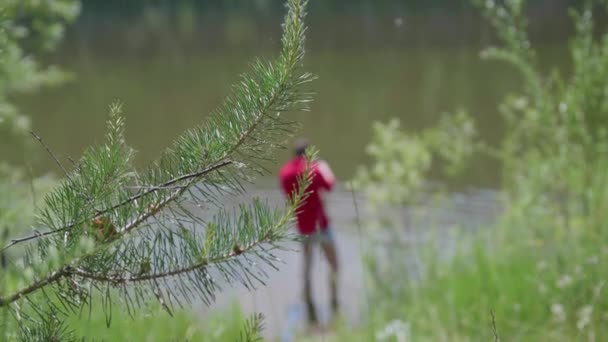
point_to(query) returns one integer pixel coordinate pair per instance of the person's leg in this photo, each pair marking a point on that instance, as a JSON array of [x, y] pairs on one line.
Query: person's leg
[[329, 249], [310, 307]]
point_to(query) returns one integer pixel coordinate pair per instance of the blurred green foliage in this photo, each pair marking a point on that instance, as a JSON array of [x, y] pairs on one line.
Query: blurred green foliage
[[402, 161], [28, 28], [155, 324], [540, 269]]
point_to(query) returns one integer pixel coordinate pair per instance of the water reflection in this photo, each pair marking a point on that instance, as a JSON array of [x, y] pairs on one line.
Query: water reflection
[[172, 65]]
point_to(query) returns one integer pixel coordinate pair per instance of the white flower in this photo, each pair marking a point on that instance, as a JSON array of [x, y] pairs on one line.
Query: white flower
[[563, 107], [521, 103], [541, 265], [558, 312], [598, 289], [395, 328], [584, 317], [564, 281]]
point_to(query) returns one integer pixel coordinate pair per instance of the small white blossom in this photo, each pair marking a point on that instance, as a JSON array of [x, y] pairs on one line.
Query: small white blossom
[[395, 328], [598, 289], [584, 317], [521, 103], [558, 312], [564, 281], [541, 265]]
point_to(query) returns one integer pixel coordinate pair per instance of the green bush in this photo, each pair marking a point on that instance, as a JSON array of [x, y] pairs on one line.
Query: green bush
[[538, 274]]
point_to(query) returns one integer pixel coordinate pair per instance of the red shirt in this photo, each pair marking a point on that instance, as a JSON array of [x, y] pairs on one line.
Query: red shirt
[[311, 213]]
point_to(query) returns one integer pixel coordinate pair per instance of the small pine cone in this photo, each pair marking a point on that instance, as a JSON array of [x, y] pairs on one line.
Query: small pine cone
[[238, 250]]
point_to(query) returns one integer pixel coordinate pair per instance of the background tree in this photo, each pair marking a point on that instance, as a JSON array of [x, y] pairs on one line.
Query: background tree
[[28, 29], [111, 229]]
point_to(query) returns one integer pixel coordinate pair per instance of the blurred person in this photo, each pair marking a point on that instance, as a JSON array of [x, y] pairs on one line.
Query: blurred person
[[312, 220]]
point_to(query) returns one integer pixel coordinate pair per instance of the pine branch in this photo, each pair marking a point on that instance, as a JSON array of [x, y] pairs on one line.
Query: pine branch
[[213, 159], [35, 286], [236, 252], [167, 185], [289, 58]]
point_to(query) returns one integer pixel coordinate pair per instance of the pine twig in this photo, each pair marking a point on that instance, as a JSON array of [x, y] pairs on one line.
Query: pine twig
[[167, 184]]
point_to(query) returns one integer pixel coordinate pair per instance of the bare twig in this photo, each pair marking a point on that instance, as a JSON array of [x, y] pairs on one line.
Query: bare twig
[[36, 235], [65, 172], [48, 149], [154, 187], [170, 183]]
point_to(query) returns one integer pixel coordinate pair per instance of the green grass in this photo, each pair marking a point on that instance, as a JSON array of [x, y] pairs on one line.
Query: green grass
[[155, 324], [542, 281]]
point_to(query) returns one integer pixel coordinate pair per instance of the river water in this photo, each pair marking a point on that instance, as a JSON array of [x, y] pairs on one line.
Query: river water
[[372, 64]]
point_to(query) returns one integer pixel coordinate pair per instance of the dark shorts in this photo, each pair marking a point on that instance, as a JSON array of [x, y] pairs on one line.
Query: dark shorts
[[321, 236]]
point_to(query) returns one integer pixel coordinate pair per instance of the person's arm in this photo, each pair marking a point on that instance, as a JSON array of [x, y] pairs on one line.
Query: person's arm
[[327, 178]]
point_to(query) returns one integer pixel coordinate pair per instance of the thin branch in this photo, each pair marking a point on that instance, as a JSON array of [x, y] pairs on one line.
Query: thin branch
[[52, 277], [36, 235], [117, 279], [65, 172], [170, 183], [201, 173], [48, 149], [154, 187]]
